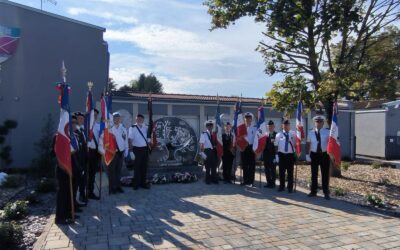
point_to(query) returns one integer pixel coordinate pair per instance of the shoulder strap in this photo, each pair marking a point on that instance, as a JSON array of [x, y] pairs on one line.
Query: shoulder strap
[[144, 138]]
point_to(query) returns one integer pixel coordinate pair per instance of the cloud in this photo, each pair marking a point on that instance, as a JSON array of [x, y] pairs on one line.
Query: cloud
[[170, 42], [102, 14]]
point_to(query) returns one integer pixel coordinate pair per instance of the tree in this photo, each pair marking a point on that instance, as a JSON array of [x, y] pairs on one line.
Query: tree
[[145, 84], [300, 34], [111, 85]]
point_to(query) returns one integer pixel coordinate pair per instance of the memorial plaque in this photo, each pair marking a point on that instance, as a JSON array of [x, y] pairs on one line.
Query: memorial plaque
[[176, 143]]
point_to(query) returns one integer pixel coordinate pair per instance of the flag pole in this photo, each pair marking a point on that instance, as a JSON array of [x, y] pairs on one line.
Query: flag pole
[[101, 162], [295, 159], [64, 77], [241, 165], [219, 161]]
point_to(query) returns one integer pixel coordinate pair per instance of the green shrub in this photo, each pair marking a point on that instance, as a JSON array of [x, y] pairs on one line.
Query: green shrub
[[375, 200], [337, 191], [10, 235], [46, 185], [15, 210], [345, 165], [12, 181], [376, 165], [32, 197]]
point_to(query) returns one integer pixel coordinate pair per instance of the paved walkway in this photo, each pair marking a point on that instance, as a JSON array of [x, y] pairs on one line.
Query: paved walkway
[[199, 216]]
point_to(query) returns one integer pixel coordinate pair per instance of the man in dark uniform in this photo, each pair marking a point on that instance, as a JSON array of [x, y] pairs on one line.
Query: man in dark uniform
[[227, 157], [269, 156], [248, 156], [139, 149], [63, 198], [83, 155], [285, 141], [76, 162], [317, 142], [208, 152], [94, 158]]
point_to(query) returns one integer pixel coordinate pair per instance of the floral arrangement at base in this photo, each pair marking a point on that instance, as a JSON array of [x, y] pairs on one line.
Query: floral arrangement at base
[[164, 178]]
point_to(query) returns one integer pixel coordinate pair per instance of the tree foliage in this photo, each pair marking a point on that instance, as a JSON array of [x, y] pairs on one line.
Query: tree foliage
[[300, 33], [145, 84], [111, 85]]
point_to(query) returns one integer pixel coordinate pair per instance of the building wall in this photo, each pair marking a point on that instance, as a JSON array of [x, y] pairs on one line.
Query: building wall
[[27, 88], [370, 132], [392, 133]]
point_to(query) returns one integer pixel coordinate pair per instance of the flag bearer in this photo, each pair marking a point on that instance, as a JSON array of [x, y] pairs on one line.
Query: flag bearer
[[269, 156], [285, 141], [83, 155], [94, 158], [139, 150], [248, 156], [114, 170], [317, 142], [228, 156], [209, 153], [76, 159]]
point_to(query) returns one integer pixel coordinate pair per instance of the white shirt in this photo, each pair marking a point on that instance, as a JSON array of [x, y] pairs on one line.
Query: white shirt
[[280, 142], [312, 139], [136, 137], [205, 140], [121, 136], [251, 134], [96, 130]]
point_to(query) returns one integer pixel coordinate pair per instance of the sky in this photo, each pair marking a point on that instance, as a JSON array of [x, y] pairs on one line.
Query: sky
[[171, 39]]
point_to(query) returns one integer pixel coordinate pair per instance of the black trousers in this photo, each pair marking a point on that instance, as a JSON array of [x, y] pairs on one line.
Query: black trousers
[[114, 172], [140, 166], [286, 164], [94, 165], [321, 160], [63, 205], [227, 163], [211, 165], [248, 165], [270, 170], [76, 175], [83, 180]]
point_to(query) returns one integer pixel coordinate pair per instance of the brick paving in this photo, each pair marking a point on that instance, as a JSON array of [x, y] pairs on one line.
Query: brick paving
[[199, 216]]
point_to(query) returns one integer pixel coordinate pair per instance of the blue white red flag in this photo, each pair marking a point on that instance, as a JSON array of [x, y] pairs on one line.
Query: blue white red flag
[[89, 123], [261, 135], [217, 133], [299, 127], [333, 143], [240, 127]]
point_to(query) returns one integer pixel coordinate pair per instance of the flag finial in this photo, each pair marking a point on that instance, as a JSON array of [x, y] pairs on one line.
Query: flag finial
[[64, 72], [90, 85]]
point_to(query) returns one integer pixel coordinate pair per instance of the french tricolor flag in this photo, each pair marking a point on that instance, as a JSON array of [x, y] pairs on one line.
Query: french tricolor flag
[[240, 127], [63, 145], [333, 143], [299, 127], [261, 135], [109, 142], [217, 133]]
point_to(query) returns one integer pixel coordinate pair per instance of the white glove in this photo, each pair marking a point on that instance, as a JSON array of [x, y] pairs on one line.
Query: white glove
[[203, 155], [132, 155], [308, 158], [277, 158]]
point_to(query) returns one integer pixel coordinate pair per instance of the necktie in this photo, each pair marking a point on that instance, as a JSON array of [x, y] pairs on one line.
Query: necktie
[[286, 141], [319, 149]]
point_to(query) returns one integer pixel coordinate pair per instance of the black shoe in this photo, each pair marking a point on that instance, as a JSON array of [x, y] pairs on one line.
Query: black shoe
[[112, 191], [120, 190], [78, 210], [243, 184], [216, 182], [146, 186], [83, 199], [327, 197], [266, 186], [280, 189], [92, 196], [77, 204], [135, 188], [290, 191], [312, 194]]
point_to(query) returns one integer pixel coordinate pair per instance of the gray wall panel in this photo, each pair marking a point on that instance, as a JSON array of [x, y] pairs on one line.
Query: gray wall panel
[[186, 110], [370, 133]]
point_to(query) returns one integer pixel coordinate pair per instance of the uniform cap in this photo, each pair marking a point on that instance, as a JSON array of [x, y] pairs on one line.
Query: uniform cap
[[248, 114], [270, 122], [318, 118], [116, 114], [209, 122]]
